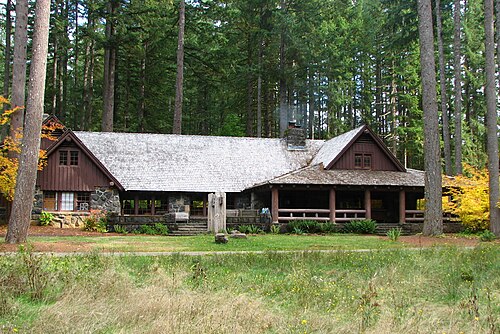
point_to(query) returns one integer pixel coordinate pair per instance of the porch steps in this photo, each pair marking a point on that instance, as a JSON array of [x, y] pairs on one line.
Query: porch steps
[[188, 228], [383, 228]]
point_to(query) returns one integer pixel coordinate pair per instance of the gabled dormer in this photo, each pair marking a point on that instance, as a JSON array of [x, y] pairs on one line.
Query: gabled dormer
[[71, 166], [359, 149]]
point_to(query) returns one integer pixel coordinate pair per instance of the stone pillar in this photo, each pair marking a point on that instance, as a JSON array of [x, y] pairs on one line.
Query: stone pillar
[[217, 212], [332, 205], [275, 204], [368, 204], [402, 207]]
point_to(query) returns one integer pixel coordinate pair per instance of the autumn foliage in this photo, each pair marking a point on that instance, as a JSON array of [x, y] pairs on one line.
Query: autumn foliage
[[8, 165], [468, 198]]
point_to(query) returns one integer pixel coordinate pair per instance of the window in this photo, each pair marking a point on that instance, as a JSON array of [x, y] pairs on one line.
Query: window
[[63, 158], [362, 161], [73, 158], [67, 201], [50, 201], [82, 201], [358, 160]]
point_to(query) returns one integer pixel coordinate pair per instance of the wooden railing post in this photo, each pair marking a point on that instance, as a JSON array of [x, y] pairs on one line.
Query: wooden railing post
[[332, 205], [275, 204], [402, 207], [368, 204]]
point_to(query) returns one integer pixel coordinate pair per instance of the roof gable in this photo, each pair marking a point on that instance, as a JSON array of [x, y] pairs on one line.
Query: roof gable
[[69, 135], [334, 149]]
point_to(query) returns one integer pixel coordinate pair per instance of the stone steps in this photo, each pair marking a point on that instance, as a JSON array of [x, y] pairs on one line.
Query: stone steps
[[383, 228], [189, 228]]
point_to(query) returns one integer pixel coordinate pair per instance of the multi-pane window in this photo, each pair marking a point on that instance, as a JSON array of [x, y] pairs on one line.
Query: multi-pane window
[[362, 161], [73, 158], [66, 201], [50, 201], [82, 201], [63, 158], [68, 158]]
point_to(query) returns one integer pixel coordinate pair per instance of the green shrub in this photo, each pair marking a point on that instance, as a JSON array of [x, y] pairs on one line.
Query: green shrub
[[46, 218], [297, 230], [156, 229], [97, 221], [250, 229], [394, 233], [365, 226], [306, 226], [275, 229], [487, 235], [328, 227], [119, 229]]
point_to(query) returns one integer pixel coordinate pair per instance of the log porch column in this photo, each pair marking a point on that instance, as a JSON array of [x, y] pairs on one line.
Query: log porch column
[[402, 206], [332, 205], [274, 204], [368, 204]]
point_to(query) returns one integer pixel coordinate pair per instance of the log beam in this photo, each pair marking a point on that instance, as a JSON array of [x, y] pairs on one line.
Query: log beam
[[332, 205], [275, 204]]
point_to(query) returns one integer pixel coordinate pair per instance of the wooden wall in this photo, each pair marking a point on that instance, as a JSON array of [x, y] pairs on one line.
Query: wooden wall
[[365, 144], [84, 177]]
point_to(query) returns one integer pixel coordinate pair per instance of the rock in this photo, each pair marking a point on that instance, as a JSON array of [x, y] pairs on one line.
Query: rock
[[221, 238], [238, 235]]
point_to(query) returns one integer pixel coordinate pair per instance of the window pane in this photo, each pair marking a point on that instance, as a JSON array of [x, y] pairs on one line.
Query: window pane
[[128, 207], [63, 158], [67, 201], [49, 201], [83, 201], [73, 158], [367, 161], [358, 158]]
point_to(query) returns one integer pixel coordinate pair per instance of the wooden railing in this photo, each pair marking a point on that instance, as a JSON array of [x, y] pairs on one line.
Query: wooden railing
[[304, 214], [348, 215], [414, 216], [320, 214]]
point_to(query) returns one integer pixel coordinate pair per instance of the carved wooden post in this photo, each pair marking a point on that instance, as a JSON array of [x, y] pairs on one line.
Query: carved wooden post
[[332, 205], [368, 204], [217, 212], [402, 207], [274, 204]]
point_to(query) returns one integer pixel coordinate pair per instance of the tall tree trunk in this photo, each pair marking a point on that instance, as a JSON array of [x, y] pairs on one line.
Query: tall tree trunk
[[311, 101], [433, 221], [88, 71], [109, 70], [8, 34], [76, 75], [20, 218], [457, 69], [19, 67], [55, 81], [282, 84], [142, 90], [259, 93], [491, 117], [177, 128], [444, 96]]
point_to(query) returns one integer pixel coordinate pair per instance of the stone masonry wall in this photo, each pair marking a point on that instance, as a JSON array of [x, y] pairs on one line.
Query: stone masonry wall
[[106, 199]]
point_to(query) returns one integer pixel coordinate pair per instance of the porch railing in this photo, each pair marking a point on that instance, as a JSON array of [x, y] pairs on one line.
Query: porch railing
[[320, 214], [304, 214], [418, 216]]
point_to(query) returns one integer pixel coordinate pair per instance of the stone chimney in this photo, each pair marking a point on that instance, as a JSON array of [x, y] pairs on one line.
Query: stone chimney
[[295, 137]]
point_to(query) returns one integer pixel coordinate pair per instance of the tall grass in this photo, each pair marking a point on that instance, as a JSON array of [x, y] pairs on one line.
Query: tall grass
[[397, 291]]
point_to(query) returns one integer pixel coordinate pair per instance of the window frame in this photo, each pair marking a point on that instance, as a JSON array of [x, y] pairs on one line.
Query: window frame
[[363, 161]]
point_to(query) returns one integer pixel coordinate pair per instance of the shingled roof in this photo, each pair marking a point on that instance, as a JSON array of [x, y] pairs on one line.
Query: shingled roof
[[181, 163], [315, 175], [160, 162]]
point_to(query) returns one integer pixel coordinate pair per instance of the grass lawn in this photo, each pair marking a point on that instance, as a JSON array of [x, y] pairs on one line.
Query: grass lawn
[[261, 242], [434, 290]]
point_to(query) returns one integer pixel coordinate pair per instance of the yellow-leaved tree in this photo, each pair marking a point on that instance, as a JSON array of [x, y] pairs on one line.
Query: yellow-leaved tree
[[8, 165], [469, 199]]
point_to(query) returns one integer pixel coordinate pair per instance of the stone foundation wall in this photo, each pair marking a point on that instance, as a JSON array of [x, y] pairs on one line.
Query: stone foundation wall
[[106, 199]]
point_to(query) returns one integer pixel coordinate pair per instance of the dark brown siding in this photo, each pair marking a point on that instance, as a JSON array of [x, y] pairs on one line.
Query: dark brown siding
[[84, 177], [366, 145]]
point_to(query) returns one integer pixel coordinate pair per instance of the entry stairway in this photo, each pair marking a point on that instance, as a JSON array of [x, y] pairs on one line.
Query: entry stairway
[[383, 228], [192, 227]]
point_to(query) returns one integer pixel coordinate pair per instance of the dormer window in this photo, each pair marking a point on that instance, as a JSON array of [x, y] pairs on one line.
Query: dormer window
[[68, 158], [63, 158], [73, 161], [362, 161]]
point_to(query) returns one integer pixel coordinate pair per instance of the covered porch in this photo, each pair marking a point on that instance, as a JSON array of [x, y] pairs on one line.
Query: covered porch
[[343, 203]]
